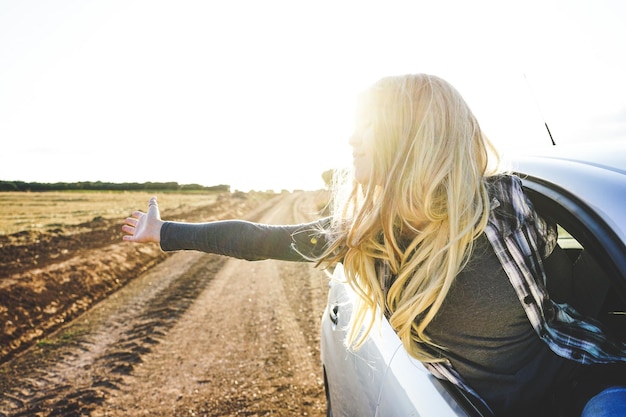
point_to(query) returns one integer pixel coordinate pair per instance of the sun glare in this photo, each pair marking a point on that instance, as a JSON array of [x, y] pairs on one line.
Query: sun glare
[[203, 93]]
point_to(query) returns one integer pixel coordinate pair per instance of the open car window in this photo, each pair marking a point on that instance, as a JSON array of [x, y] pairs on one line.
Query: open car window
[[586, 269]]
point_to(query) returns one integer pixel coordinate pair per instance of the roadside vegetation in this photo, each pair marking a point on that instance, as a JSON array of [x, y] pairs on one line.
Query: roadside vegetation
[[108, 186], [52, 209]]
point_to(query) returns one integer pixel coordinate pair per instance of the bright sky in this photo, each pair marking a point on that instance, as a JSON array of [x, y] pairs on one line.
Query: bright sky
[[260, 94]]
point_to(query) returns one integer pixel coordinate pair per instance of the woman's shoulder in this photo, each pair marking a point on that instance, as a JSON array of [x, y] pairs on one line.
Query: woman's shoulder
[[509, 202], [503, 184]]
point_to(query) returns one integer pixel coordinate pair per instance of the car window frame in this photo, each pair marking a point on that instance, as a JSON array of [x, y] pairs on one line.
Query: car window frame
[[584, 223]]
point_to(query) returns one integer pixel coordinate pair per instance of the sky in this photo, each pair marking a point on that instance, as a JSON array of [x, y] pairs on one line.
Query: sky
[[260, 95]]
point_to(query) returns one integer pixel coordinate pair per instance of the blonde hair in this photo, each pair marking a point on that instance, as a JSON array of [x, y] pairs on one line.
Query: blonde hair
[[420, 212]]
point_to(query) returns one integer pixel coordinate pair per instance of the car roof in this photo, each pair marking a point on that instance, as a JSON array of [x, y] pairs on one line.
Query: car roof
[[594, 173], [608, 155]]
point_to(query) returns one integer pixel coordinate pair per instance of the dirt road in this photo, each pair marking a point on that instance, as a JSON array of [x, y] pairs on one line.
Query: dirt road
[[196, 335]]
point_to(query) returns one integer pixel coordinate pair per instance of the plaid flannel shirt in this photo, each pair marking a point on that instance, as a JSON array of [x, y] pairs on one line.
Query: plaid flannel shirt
[[521, 240]]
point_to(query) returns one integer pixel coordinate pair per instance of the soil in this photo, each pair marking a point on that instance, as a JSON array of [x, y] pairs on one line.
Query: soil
[[93, 326]]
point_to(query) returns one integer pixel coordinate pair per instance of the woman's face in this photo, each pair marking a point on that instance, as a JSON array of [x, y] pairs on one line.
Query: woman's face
[[362, 142]]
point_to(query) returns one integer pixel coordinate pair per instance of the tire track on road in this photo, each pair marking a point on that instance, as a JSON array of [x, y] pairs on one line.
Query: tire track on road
[[255, 349], [90, 366]]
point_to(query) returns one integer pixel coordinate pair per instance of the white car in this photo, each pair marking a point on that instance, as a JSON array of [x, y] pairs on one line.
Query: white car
[[584, 189]]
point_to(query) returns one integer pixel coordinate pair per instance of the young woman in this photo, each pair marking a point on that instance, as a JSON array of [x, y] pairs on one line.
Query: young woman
[[451, 249]]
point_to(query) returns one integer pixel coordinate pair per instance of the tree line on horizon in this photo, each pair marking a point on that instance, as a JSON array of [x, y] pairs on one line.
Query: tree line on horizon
[[108, 186], [25, 186]]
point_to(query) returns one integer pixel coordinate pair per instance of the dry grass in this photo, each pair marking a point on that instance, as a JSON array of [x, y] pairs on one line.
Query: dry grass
[[46, 210]]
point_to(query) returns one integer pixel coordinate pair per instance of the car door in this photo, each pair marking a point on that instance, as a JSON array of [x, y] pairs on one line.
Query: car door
[[353, 379], [380, 378]]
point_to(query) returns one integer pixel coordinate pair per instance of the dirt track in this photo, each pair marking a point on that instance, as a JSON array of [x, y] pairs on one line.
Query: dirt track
[[196, 335]]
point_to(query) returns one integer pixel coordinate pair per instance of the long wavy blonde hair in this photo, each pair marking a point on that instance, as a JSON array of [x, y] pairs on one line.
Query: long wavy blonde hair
[[421, 210]]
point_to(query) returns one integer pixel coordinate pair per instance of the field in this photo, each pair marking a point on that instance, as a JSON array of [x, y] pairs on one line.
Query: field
[[25, 211], [60, 252], [94, 326]]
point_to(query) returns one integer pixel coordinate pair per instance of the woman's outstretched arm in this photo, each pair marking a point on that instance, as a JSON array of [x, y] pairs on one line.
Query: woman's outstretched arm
[[236, 238]]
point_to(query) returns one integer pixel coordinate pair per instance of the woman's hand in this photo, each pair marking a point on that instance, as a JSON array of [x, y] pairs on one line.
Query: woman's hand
[[144, 227]]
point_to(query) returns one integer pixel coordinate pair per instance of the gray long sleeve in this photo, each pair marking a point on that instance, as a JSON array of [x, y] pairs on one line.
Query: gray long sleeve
[[246, 240]]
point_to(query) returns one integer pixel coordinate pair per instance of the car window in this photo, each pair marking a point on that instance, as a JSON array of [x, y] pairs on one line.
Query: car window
[[566, 240], [584, 269]]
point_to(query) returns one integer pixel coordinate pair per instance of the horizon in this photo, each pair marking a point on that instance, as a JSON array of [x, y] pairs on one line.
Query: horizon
[[156, 183]]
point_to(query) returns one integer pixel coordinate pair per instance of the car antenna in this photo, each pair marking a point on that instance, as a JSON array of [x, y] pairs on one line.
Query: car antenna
[[539, 108]]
